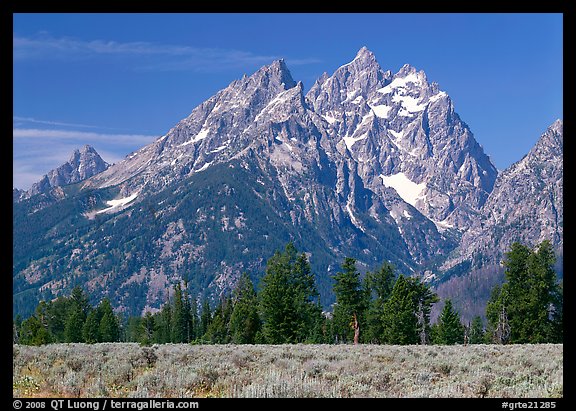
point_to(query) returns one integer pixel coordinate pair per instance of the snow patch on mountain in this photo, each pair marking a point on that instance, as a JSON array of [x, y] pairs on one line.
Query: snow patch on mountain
[[381, 110], [408, 190], [117, 204]]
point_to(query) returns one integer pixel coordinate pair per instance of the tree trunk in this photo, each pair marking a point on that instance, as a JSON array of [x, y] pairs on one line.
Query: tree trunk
[[356, 330]]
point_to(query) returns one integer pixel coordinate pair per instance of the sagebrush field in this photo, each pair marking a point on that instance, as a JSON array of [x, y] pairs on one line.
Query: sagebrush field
[[130, 370]]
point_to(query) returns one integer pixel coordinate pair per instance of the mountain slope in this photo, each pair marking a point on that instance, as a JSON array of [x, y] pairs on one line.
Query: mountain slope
[[367, 164], [526, 205]]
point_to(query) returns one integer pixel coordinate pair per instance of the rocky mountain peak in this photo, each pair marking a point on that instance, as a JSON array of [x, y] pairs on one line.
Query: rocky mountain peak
[[83, 163], [365, 56], [551, 142], [278, 74]]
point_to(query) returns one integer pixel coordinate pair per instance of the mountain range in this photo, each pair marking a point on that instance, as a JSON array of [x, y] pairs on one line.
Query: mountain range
[[367, 163]]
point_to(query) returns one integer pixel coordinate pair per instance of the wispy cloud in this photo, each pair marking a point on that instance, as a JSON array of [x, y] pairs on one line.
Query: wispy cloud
[[18, 119], [188, 57], [81, 136], [44, 45]]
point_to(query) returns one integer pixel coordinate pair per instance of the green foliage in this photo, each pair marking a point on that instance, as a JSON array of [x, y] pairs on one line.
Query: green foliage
[[33, 332], [244, 320], [179, 323], [287, 309], [109, 328], [286, 299], [450, 329], [527, 307], [91, 328], [351, 301], [378, 285], [399, 321], [406, 317]]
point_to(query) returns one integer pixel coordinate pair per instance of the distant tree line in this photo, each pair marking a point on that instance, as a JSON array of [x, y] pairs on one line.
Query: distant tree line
[[380, 307]]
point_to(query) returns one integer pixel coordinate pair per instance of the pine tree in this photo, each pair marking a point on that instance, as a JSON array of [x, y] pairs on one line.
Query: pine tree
[[350, 301], [450, 329], [379, 285], [525, 308], [423, 299], [164, 324], [16, 326], [217, 332], [58, 312], [74, 326], [244, 320], [275, 300], [109, 328], [33, 332], [194, 326], [557, 326], [148, 329], [399, 321], [188, 320], [134, 329], [179, 323], [286, 300], [78, 310], [205, 318], [91, 328], [319, 333]]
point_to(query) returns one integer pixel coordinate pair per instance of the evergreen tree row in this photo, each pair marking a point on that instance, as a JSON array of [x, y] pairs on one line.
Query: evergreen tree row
[[380, 308], [69, 320]]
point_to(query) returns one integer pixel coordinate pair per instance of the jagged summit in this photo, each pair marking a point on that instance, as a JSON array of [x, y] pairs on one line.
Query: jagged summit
[[278, 72], [365, 56], [84, 163]]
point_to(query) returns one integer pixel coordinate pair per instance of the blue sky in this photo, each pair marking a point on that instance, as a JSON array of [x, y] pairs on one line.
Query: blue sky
[[118, 81]]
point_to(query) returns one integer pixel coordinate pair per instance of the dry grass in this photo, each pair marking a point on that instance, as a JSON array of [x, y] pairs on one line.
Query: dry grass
[[129, 370]]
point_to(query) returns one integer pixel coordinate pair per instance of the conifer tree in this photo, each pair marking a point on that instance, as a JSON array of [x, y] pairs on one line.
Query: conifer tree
[[526, 309], [205, 318], [148, 329], [450, 329], [164, 324], [399, 321], [109, 328], [350, 301], [91, 328], [378, 285], [179, 323], [218, 332], [286, 299], [244, 320], [194, 326], [33, 332], [77, 312]]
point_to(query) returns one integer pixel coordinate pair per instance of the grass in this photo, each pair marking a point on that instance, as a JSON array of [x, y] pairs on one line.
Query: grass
[[256, 371]]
